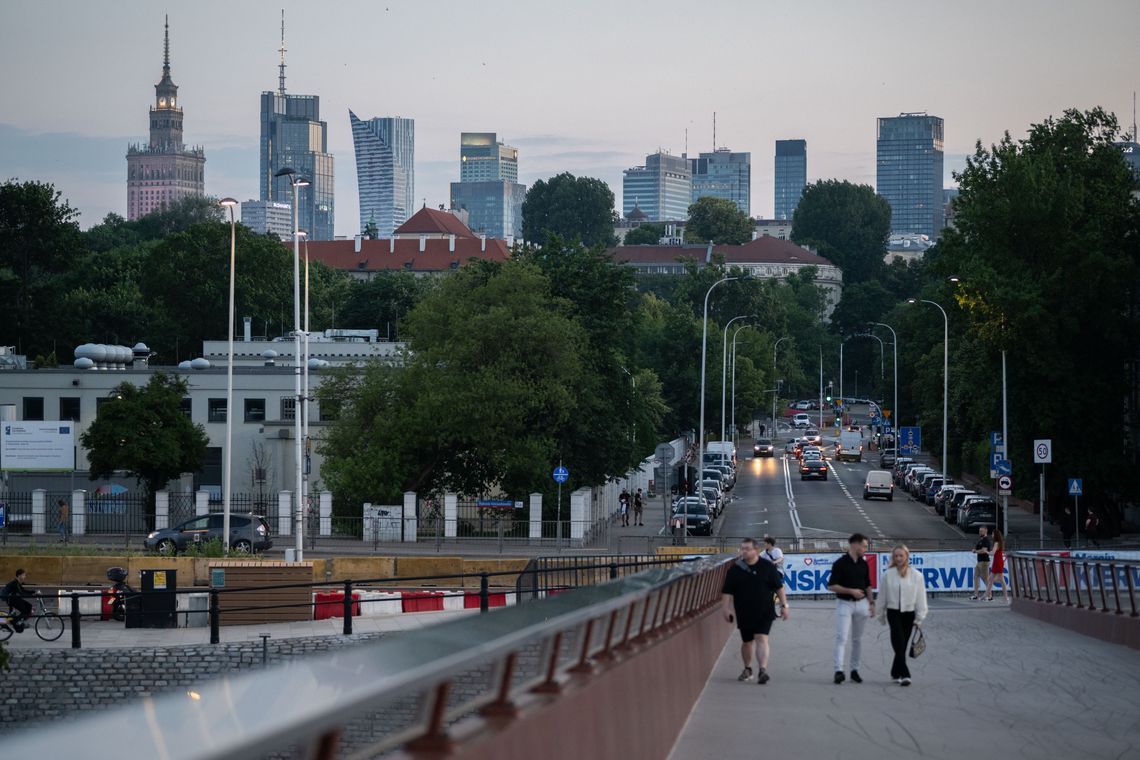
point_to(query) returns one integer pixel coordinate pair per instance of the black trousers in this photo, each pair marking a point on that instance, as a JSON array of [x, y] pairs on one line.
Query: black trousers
[[20, 605], [900, 624]]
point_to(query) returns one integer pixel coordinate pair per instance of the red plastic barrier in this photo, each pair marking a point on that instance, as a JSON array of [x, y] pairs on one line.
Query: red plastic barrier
[[106, 602], [421, 601], [330, 604], [471, 601]]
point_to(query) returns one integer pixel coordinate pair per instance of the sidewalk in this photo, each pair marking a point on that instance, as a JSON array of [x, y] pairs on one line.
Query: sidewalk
[[991, 684]]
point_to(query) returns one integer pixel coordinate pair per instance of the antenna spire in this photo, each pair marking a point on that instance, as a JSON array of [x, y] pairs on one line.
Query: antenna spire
[[281, 68], [1134, 116], [714, 131], [166, 47]]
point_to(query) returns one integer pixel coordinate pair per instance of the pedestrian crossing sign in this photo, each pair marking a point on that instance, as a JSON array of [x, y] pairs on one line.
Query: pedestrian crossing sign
[[1076, 487]]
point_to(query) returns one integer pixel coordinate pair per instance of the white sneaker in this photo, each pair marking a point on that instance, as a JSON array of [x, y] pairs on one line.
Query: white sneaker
[[904, 682]]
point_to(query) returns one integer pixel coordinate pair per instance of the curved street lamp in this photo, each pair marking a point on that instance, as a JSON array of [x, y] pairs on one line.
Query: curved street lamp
[[227, 479], [724, 368], [945, 373]]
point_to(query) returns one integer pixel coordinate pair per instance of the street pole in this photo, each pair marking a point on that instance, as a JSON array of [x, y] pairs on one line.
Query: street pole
[[775, 427], [724, 371], [305, 392], [227, 485], [895, 346], [704, 361], [1041, 511], [841, 396], [558, 525], [1005, 442], [734, 335], [820, 426], [945, 375]]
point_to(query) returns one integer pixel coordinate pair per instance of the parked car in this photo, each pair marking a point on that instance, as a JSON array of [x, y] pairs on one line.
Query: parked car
[[696, 511], [713, 497], [247, 533], [879, 483], [914, 477], [954, 504], [813, 468], [946, 494], [900, 464], [935, 486], [887, 458], [763, 448], [922, 484], [977, 513]]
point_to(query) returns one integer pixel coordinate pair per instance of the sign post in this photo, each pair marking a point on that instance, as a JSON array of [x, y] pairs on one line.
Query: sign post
[[560, 476], [1042, 455], [1076, 488]]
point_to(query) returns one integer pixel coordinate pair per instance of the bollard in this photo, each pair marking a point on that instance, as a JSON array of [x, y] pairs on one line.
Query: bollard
[[76, 641], [534, 577], [215, 615], [484, 593], [613, 571], [264, 648], [348, 608]]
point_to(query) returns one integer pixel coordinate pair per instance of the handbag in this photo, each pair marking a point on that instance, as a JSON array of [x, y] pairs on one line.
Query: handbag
[[917, 642]]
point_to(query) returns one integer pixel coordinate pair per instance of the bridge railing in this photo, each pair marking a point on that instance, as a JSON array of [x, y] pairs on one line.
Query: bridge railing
[[445, 688], [1096, 585]]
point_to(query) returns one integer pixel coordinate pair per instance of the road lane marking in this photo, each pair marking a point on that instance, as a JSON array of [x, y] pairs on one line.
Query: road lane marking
[[796, 527], [859, 507]]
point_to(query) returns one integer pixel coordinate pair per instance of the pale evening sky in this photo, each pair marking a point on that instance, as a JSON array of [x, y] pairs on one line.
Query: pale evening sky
[[589, 86]]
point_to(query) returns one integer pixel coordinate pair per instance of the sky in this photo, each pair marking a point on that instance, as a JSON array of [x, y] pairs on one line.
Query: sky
[[589, 86]]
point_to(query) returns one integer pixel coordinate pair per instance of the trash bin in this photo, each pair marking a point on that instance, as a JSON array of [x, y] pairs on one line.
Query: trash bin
[[157, 605]]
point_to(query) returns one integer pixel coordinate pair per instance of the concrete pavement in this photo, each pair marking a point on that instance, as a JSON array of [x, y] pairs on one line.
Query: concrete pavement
[[991, 684]]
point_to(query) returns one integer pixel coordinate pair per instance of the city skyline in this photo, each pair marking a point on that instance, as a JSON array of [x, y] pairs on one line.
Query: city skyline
[[1036, 59]]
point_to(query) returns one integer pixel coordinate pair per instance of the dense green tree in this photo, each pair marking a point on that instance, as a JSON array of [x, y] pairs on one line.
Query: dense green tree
[[39, 241], [648, 233], [383, 302], [570, 207], [847, 224], [144, 432], [718, 220]]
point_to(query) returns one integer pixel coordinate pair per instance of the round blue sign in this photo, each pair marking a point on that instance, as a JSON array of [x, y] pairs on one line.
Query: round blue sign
[[561, 474]]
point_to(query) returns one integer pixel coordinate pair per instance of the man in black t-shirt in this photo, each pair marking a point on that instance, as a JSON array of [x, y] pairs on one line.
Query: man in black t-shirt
[[851, 583], [982, 567], [747, 597]]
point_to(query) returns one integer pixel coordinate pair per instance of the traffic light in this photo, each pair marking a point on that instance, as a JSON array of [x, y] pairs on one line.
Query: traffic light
[[829, 399]]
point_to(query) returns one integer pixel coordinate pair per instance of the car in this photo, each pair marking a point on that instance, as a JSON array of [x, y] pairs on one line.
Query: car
[[248, 533], [802, 405], [887, 458], [728, 472], [813, 468], [801, 420], [715, 498], [955, 503], [923, 484], [966, 505], [935, 486], [944, 495], [763, 448], [717, 474], [879, 483], [914, 478], [814, 436], [978, 513], [697, 514], [896, 470], [790, 447]]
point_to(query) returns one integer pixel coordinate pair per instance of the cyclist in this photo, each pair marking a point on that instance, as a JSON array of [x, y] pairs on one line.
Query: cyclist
[[14, 594]]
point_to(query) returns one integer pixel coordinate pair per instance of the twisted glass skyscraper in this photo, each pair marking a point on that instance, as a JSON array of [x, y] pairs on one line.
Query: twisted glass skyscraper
[[385, 175]]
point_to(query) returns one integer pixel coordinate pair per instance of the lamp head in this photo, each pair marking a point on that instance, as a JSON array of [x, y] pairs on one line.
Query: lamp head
[[954, 279], [301, 182], [227, 202], [302, 234], [912, 300], [285, 171]]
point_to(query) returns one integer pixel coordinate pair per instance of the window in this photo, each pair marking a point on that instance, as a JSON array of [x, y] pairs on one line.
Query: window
[[288, 408], [255, 410], [33, 407], [69, 408], [186, 406], [217, 410]]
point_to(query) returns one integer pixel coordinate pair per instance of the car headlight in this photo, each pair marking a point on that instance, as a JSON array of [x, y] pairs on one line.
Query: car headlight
[[153, 535]]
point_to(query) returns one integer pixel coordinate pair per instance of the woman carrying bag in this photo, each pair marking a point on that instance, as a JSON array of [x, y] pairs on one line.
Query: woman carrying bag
[[902, 606]]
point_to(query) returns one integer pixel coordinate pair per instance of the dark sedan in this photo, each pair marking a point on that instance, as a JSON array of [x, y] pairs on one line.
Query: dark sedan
[[813, 468], [248, 533], [763, 448], [699, 520]]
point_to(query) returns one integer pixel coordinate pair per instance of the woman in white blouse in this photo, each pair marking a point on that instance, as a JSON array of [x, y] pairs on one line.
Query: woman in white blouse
[[902, 605]]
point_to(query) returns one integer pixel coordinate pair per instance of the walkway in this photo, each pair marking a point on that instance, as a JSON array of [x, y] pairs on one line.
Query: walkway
[[991, 684]]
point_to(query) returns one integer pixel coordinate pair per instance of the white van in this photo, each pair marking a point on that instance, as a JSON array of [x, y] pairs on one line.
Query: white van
[[725, 452], [850, 446], [879, 483]]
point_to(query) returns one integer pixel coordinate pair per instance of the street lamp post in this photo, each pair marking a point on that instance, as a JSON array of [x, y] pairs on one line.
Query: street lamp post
[[734, 335], [305, 392], [945, 374], [724, 370], [895, 349], [774, 371], [227, 484], [298, 514], [704, 360]]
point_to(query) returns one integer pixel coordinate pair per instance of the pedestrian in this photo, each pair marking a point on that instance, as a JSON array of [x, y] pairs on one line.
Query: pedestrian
[[64, 517], [902, 606], [747, 595], [638, 507], [772, 553], [1068, 526], [623, 507], [854, 602], [1092, 528], [982, 566], [997, 570]]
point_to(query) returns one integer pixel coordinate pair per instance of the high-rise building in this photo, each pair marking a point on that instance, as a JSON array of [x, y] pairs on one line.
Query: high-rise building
[[909, 172], [385, 174], [723, 174], [488, 188], [662, 188], [791, 176], [164, 170], [293, 136], [268, 217]]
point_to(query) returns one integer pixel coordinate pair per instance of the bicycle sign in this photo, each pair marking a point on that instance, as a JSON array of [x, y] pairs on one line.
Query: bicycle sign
[[561, 474]]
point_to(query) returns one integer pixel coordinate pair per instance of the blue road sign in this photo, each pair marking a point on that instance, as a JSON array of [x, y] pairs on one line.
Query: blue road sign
[[561, 474], [1076, 487], [1004, 467], [996, 439], [3, 515], [910, 440]]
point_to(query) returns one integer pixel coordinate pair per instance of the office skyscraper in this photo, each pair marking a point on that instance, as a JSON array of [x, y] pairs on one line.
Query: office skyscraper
[[723, 174], [293, 136], [488, 186], [164, 170], [385, 152], [909, 172], [791, 176], [662, 188]]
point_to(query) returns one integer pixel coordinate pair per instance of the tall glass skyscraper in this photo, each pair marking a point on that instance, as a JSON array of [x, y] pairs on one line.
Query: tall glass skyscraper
[[488, 186], [662, 188], [791, 176], [385, 175], [293, 135], [723, 174], [909, 172]]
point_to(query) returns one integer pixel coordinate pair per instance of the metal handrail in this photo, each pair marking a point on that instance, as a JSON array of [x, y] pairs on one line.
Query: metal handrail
[[1048, 579], [310, 701]]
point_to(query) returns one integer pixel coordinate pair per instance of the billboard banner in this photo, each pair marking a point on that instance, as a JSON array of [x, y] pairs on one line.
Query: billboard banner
[[942, 571], [37, 446]]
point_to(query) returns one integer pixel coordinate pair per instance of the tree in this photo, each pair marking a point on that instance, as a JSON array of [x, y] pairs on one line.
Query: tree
[[847, 224], [718, 220], [571, 207], [383, 302], [144, 432], [648, 233]]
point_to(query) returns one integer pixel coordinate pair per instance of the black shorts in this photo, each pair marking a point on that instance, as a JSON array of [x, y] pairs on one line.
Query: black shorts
[[749, 629]]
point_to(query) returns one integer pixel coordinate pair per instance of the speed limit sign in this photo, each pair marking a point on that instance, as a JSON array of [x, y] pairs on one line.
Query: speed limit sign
[[1043, 451]]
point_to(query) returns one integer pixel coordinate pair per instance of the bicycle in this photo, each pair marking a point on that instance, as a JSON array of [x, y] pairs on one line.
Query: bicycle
[[48, 625]]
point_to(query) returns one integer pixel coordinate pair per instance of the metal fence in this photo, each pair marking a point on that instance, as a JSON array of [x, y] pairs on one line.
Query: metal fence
[[1096, 585]]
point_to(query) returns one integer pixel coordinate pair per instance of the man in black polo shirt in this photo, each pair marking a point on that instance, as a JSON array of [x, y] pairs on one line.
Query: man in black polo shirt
[[851, 583], [747, 592]]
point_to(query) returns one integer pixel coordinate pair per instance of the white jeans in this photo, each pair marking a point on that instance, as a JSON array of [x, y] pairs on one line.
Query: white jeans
[[850, 617]]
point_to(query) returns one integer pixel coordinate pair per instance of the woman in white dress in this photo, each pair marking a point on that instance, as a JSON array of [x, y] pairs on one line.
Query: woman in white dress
[[902, 606]]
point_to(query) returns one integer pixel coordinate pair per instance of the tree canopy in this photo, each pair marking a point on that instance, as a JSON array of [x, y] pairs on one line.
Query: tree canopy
[[718, 220], [570, 207], [649, 233], [845, 223]]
